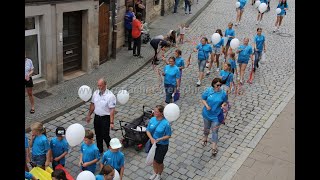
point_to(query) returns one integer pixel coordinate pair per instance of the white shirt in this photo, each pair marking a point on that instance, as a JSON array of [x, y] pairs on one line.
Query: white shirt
[[103, 103], [28, 66], [182, 30]]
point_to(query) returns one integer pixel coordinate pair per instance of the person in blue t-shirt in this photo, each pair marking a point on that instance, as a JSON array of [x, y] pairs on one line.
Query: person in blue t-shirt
[[39, 145], [89, 153], [226, 75], [232, 61], [59, 148], [230, 33], [128, 18], [29, 176], [179, 62], [114, 157], [216, 50], [171, 75], [213, 99], [27, 152], [245, 53], [260, 15], [159, 132], [106, 173], [240, 11], [259, 46], [283, 5], [204, 50]]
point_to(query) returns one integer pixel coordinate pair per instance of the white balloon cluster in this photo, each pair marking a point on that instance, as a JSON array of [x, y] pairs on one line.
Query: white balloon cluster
[[262, 7], [257, 3], [234, 43], [75, 134], [171, 112], [278, 10], [215, 38]]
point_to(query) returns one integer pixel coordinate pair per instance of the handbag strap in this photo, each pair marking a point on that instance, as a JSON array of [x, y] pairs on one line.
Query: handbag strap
[[156, 128]]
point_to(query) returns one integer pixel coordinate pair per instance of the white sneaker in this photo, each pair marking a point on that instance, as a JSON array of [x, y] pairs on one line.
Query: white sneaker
[[198, 83], [158, 177], [275, 29], [238, 23], [257, 22], [153, 176], [208, 72]]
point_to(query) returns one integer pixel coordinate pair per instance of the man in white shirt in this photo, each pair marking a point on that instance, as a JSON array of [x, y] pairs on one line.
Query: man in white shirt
[[103, 105]]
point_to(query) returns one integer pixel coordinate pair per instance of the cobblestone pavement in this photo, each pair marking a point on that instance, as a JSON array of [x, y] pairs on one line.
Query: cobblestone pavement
[[250, 117], [65, 95]]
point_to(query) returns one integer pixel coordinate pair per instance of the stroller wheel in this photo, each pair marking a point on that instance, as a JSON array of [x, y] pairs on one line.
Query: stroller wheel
[[138, 147], [125, 143]]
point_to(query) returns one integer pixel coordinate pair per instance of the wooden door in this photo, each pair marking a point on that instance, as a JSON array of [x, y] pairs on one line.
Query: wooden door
[[103, 39], [72, 41]]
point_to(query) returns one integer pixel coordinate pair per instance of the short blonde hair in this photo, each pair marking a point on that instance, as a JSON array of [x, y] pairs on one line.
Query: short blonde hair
[[38, 126]]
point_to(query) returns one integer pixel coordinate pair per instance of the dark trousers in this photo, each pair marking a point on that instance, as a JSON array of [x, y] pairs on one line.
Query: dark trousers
[[129, 36], [169, 88], [137, 45], [101, 125], [176, 3], [186, 5]]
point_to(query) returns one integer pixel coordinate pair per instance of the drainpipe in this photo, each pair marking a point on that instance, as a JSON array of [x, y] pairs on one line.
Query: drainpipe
[[162, 7], [114, 28]]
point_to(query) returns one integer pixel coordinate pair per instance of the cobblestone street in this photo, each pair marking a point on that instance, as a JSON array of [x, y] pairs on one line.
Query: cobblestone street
[[251, 115]]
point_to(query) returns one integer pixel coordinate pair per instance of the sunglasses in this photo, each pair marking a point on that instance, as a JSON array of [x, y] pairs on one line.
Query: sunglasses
[[218, 84]]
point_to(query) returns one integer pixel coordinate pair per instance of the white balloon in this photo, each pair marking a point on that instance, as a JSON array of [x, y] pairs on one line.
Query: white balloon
[[257, 3], [123, 96], [116, 175], [85, 92], [171, 112], [263, 7], [75, 134], [237, 4], [86, 175], [234, 43], [215, 38], [278, 10]]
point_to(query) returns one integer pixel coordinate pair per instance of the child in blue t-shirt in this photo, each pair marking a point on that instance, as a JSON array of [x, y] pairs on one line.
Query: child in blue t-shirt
[[39, 145], [59, 148], [232, 62], [106, 173], [226, 75], [89, 155], [114, 157]]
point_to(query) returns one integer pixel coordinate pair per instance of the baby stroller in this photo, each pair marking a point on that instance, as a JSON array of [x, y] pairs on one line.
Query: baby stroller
[[134, 133], [145, 36]]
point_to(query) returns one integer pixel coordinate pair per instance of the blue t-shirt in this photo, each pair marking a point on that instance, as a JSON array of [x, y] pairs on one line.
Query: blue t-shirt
[[40, 145], [242, 3], [99, 177], [259, 40], [172, 73], [233, 63], [128, 20], [264, 1], [245, 53], [89, 153], [163, 129], [114, 159], [203, 51], [27, 175], [229, 32], [214, 100], [26, 143], [179, 62], [219, 44], [224, 74], [282, 8], [58, 147]]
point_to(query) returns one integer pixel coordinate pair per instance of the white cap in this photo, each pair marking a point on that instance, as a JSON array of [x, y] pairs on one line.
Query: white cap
[[115, 143]]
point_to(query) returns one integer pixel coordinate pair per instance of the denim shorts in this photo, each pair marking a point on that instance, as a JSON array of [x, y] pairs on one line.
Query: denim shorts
[[202, 65], [216, 50], [39, 160], [242, 61]]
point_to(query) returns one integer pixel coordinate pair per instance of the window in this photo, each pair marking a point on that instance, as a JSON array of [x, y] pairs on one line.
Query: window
[[156, 2], [32, 44]]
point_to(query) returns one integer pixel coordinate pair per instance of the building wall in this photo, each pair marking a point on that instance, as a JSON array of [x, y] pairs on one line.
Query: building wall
[[51, 48]]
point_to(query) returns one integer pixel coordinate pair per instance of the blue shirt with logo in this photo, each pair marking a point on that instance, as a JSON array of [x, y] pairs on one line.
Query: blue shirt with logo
[[40, 145], [282, 8], [224, 74], [172, 73], [244, 55], [203, 51], [259, 40], [214, 99], [179, 62], [229, 32], [128, 20], [89, 153], [114, 159], [58, 147], [159, 128]]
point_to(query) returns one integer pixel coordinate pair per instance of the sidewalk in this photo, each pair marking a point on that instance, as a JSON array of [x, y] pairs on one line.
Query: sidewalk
[[273, 157], [64, 96]]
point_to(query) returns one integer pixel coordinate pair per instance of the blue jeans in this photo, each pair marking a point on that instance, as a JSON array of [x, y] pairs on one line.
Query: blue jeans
[[176, 3], [186, 5], [169, 88], [214, 126], [257, 57]]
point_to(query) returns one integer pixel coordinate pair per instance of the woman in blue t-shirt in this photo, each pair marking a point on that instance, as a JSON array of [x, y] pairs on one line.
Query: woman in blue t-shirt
[[284, 7], [171, 75], [240, 11], [259, 45], [213, 99], [245, 53], [260, 15], [230, 34], [159, 132], [204, 51], [216, 50]]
